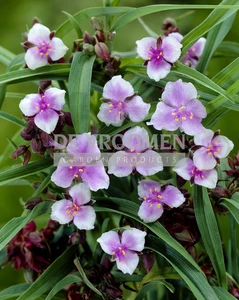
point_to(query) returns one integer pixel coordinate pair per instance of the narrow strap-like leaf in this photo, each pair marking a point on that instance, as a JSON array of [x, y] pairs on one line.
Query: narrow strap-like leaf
[[79, 90]]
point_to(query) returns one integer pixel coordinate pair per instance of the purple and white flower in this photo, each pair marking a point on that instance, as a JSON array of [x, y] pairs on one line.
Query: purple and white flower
[[45, 47], [159, 55], [76, 209], [194, 52], [179, 109], [85, 164], [188, 171], [120, 102], [44, 108], [154, 198], [124, 248], [213, 147], [137, 155]]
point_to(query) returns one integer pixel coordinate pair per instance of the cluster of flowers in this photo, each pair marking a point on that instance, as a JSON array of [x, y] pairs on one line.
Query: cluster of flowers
[[179, 109]]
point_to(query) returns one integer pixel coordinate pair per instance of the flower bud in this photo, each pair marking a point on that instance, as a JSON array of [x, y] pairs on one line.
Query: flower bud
[[27, 157], [32, 202], [97, 23], [169, 24], [100, 36], [88, 38], [102, 51], [19, 151], [88, 48]]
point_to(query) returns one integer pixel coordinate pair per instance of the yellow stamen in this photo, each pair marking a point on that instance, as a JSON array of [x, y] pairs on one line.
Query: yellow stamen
[[191, 116], [43, 44], [41, 53], [81, 170], [202, 176], [182, 107], [119, 112], [120, 104], [48, 104], [160, 53], [151, 205], [144, 198], [43, 96], [76, 176], [176, 120], [109, 111], [156, 189], [131, 150], [37, 107], [123, 252], [159, 196], [70, 167], [173, 113], [184, 118], [42, 110], [37, 48], [47, 54], [218, 149], [50, 44], [150, 190], [110, 105], [159, 205]]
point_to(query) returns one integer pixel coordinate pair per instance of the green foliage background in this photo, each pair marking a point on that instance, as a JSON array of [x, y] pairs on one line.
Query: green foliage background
[[16, 16]]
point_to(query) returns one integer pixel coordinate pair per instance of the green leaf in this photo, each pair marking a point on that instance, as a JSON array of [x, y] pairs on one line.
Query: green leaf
[[11, 118], [15, 225], [86, 13], [85, 279], [146, 10], [79, 90], [218, 15], [14, 291], [56, 71], [232, 206], [43, 185], [69, 279], [6, 56], [152, 285], [223, 294], [74, 24], [61, 267], [227, 49], [214, 38], [164, 245], [147, 29], [209, 230], [23, 171]]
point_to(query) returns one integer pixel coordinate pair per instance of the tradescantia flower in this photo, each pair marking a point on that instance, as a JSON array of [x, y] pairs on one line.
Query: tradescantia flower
[[194, 52], [121, 102], [45, 47], [179, 109], [123, 248], [136, 156], [154, 198], [188, 171], [213, 147], [44, 108], [159, 55], [76, 210], [83, 149]]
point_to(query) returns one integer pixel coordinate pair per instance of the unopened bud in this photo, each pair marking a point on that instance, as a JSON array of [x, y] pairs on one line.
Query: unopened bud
[[27, 157], [35, 21], [100, 36], [169, 24], [32, 202], [102, 51], [97, 23], [19, 151], [88, 38], [88, 48]]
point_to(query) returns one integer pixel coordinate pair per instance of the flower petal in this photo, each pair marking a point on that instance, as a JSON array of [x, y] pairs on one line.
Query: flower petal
[[119, 164], [80, 194], [95, 177], [184, 168], [58, 49], [109, 241], [204, 138], [150, 163], [29, 105], [171, 49], [204, 160], [59, 213], [85, 218], [197, 48], [110, 115], [197, 108], [55, 97], [172, 196], [146, 187], [63, 176], [150, 211], [34, 60], [83, 143], [39, 34], [133, 239], [164, 118], [144, 45], [224, 144], [176, 35], [192, 126], [47, 120], [158, 69], [137, 109], [178, 93], [209, 179], [117, 89], [136, 139], [129, 264]]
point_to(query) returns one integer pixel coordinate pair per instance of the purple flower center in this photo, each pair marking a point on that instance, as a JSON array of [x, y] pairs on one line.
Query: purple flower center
[[155, 53], [155, 197], [213, 148], [43, 105], [197, 173], [119, 253], [77, 171], [119, 106], [44, 48], [181, 113], [72, 210]]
